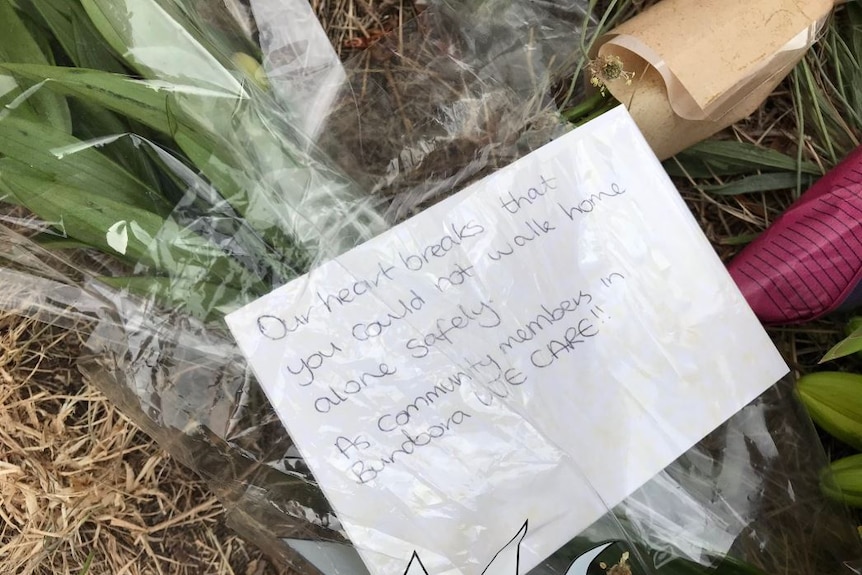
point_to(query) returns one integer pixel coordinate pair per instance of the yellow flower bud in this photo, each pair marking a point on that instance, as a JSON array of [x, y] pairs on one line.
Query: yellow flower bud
[[251, 68]]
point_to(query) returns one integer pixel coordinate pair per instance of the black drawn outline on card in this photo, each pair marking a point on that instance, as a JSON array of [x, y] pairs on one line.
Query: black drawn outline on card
[[580, 566], [415, 559], [519, 538]]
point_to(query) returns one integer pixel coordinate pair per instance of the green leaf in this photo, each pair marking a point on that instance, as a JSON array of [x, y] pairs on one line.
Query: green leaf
[[759, 183], [738, 240], [158, 46], [76, 35], [8, 168], [37, 32], [53, 15], [261, 151], [132, 98], [130, 234], [854, 17], [83, 215], [55, 242], [18, 45], [850, 344], [94, 122], [834, 401], [149, 104], [61, 157], [85, 569], [728, 158], [90, 49]]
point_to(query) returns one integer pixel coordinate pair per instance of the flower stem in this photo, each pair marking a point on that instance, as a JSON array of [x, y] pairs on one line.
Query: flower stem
[[584, 108]]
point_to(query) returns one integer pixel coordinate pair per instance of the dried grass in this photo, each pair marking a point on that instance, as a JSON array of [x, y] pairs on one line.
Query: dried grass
[[78, 479], [352, 24]]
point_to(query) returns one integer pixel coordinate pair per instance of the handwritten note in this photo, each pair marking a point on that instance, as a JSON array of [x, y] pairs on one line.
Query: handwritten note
[[528, 353]]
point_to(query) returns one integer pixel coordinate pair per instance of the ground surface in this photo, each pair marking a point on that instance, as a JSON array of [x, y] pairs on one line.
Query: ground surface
[[79, 481]]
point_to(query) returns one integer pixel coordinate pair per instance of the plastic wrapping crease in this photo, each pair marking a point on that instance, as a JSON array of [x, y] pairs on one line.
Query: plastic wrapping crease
[[283, 184]]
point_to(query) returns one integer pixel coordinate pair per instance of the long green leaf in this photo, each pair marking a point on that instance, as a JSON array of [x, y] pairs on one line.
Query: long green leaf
[[151, 105], [7, 196], [850, 344], [130, 234], [228, 140], [758, 183], [61, 157], [158, 46], [85, 569], [56, 16], [54, 242], [135, 99], [259, 150], [752, 156], [94, 122], [84, 216], [90, 49], [70, 26], [727, 158], [18, 45]]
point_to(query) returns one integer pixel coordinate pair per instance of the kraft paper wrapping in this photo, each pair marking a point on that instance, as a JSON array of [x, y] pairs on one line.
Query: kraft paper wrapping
[[701, 65]]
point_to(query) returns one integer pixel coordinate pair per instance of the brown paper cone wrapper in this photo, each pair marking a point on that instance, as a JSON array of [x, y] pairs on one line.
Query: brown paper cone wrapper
[[701, 65]]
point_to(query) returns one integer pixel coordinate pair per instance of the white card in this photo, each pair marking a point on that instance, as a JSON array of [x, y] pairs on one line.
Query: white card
[[490, 377]]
